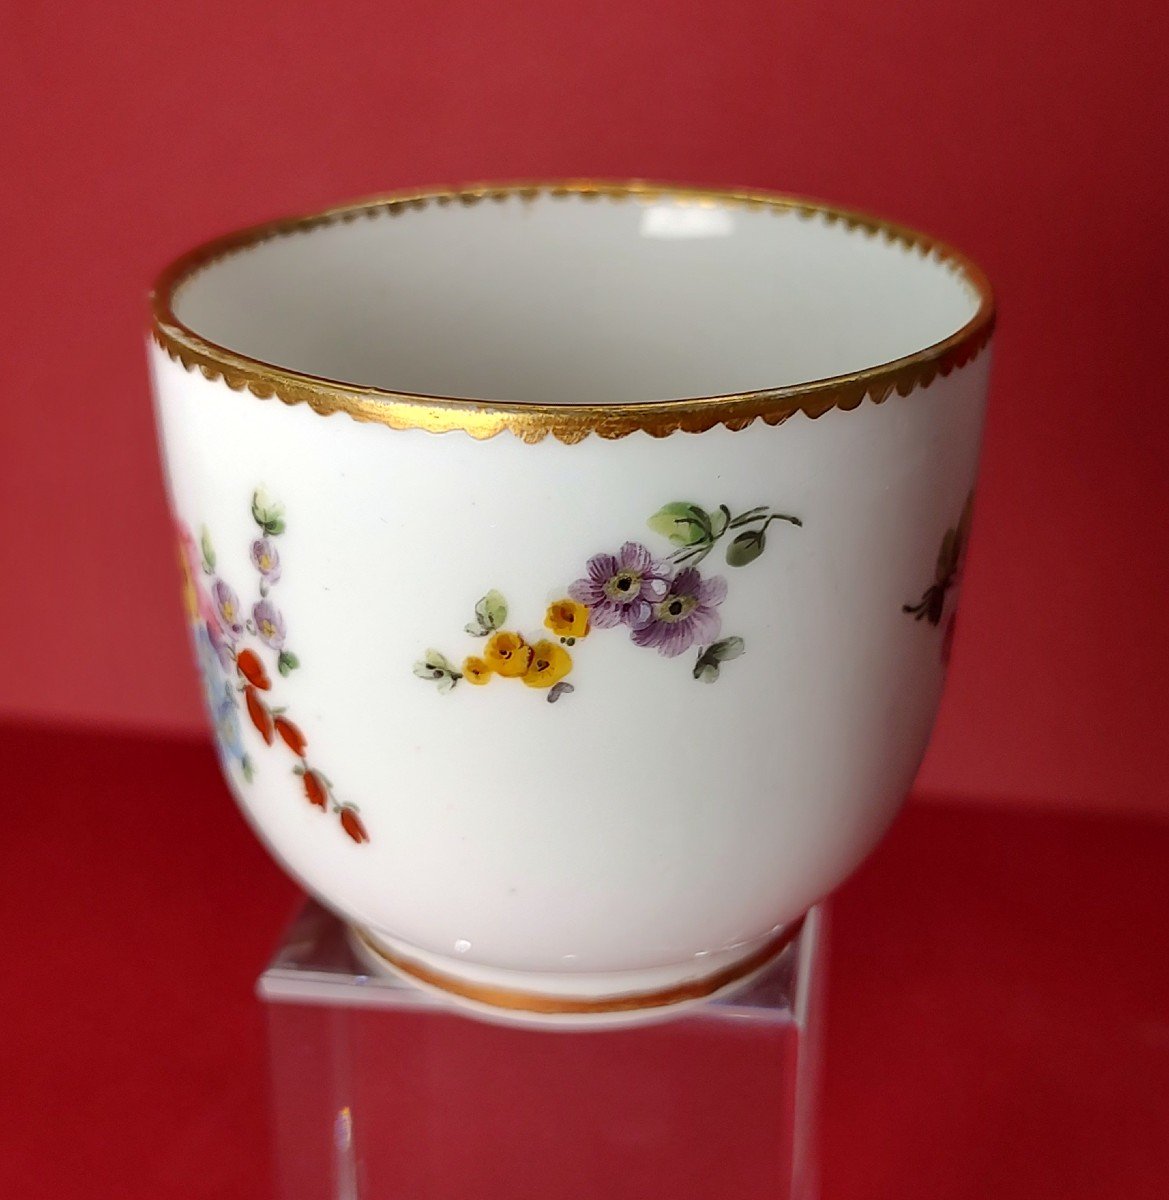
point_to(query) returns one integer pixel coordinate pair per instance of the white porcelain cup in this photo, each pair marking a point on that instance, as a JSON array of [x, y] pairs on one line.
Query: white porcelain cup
[[571, 568]]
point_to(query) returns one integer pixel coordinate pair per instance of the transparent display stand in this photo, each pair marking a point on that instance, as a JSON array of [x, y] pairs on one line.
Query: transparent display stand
[[381, 1091]]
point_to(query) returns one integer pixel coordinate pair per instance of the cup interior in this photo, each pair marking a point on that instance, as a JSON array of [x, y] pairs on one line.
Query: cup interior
[[574, 298]]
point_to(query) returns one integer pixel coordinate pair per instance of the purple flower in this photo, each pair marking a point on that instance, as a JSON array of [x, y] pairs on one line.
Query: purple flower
[[269, 624], [684, 616], [219, 644], [265, 559], [227, 605], [622, 587]]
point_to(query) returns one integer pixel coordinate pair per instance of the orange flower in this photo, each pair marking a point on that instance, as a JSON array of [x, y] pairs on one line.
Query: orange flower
[[291, 735], [508, 654], [550, 663], [258, 711], [352, 825], [252, 669], [568, 618], [476, 671], [316, 790]]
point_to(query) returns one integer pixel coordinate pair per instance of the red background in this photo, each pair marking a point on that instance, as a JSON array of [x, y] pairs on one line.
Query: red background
[[1032, 135], [997, 1017]]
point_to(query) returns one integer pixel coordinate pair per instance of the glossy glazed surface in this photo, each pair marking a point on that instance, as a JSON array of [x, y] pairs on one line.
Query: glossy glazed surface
[[727, 749], [568, 300]]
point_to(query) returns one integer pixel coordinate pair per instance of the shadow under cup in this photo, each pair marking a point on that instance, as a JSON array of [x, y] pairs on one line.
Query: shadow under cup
[[572, 569]]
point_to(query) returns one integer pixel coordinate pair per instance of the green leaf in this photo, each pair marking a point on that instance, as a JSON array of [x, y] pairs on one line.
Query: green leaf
[[683, 523], [698, 515], [719, 520], [208, 551], [492, 609], [490, 614], [746, 548], [267, 513], [287, 663], [437, 666], [726, 650], [432, 665], [705, 671]]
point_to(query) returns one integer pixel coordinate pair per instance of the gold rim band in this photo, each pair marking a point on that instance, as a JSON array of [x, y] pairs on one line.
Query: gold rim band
[[536, 1002], [568, 422]]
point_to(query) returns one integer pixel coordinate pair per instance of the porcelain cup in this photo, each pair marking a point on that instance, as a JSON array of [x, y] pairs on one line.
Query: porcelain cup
[[571, 569]]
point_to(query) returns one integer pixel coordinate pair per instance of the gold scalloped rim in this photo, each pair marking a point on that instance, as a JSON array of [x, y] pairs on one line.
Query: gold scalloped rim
[[570, 422]]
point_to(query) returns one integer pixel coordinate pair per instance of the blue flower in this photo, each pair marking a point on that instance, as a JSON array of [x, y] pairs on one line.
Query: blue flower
[[210, 668], [227, 729], [220, 700]]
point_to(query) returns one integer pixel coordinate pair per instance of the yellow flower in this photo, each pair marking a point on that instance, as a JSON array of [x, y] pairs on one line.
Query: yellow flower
[[550, 663], [190, 595], [476, 671], [508, 654], [567, 618]]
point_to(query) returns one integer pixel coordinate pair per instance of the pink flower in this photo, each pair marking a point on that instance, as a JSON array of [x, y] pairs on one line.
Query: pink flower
[[621, 588], [269, 624], [227, 608], [685, 615], [265, 559]]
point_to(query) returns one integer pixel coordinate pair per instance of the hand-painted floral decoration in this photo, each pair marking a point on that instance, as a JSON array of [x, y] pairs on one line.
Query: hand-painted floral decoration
[[663, 601], [234, 671], [933, 604]]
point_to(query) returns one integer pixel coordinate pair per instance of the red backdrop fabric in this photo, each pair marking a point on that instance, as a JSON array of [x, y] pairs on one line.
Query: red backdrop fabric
[[996, 1017], [1031, 135]]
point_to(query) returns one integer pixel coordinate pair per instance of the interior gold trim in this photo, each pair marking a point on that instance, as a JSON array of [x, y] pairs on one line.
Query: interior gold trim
[[538, 1002], [568, 422]]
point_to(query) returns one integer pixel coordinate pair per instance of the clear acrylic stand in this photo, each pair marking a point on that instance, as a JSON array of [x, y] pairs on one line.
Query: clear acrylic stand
[[383, 1092]]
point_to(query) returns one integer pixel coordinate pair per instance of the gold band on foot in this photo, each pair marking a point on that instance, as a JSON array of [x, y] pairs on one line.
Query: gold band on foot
[[516, 1000]]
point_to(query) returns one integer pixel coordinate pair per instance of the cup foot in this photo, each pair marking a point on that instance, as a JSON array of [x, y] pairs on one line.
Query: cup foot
[[576, 1000]]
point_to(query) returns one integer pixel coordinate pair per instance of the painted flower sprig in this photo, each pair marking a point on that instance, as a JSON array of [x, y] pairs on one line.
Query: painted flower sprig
[[947, 575], [234, 671], [664, 603], [272, 724], [695, 532], [266, 620], [539, 663], [717, 653]]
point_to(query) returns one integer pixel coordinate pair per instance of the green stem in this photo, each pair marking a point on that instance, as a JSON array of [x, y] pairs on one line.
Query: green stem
[[694, 553], [783, 517], [752, 514]]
